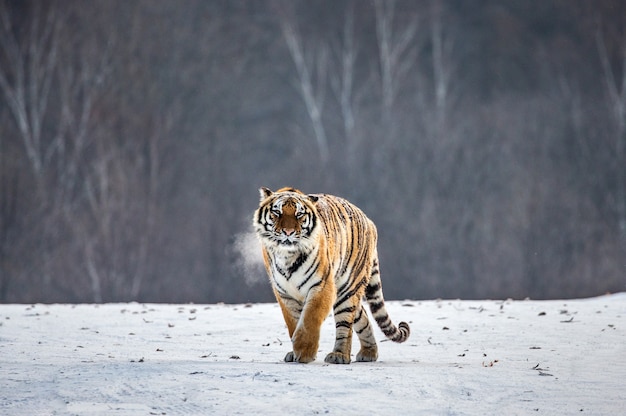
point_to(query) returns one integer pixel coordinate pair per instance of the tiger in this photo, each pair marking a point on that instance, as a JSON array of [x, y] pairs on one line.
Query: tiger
[[320, 253]]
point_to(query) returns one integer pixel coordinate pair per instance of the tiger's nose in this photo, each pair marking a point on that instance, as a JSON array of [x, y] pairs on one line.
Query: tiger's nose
[[288, 231]]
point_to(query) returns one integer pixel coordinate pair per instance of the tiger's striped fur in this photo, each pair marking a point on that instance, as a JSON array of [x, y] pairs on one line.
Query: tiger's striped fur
[[320, 254]]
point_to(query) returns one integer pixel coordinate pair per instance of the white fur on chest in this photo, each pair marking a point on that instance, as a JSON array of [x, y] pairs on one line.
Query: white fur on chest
[[293, 283]]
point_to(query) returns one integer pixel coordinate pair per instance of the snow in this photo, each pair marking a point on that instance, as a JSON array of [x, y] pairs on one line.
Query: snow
[[557, 357]]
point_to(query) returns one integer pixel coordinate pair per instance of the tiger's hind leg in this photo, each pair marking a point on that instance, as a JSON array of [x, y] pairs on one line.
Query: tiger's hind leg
[[363, 329], [345, 321], [344, 312]]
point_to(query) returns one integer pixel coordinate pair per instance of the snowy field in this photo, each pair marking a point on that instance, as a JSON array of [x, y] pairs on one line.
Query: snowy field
[[561, 357]]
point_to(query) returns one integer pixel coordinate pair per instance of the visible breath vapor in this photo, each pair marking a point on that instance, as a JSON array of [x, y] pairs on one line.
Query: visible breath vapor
[[248, 258]]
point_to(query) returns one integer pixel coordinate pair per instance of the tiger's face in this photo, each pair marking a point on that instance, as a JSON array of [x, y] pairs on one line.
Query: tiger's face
[[285, 219]]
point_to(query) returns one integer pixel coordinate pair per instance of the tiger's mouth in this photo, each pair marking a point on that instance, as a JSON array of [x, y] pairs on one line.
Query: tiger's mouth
[[291, 240], [288, 240]]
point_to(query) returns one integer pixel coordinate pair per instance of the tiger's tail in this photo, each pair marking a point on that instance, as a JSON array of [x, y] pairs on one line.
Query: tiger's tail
[[374, 296]]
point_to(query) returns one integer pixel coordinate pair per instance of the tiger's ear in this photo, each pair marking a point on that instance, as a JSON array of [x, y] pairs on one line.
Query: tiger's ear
[[265, 193], [313, 198]]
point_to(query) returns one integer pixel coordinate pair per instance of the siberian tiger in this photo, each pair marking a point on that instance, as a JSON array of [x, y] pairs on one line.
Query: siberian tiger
[[320, 253]]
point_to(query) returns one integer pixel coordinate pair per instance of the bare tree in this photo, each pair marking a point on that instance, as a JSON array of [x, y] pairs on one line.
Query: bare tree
[[442, 65], [312, 75], [396, 48], [27, 77], [29, 57], [116, 229], [350, 85], [343, 82], [397, 51]]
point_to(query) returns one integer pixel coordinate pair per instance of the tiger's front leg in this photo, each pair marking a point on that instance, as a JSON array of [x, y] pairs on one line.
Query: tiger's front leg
[[292, 311], [306, 336]]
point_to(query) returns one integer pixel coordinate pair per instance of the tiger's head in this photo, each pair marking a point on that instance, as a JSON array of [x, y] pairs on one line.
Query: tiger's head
[[286, 219]]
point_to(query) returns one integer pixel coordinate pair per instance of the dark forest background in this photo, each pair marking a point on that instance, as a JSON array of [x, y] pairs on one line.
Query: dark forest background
[[486, 139]]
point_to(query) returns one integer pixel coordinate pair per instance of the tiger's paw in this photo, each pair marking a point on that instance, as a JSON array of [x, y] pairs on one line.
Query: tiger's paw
[[305, 346], [367, 354], [337, 357], [293, 357]]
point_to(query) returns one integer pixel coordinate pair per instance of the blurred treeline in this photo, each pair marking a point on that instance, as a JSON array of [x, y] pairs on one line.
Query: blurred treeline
[[486, 139]]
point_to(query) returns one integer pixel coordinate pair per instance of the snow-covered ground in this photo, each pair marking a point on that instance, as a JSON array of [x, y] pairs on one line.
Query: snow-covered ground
[[560, 357]]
